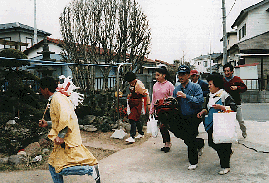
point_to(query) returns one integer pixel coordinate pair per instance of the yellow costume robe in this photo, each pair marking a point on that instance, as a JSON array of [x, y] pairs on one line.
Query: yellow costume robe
[[75, 153]]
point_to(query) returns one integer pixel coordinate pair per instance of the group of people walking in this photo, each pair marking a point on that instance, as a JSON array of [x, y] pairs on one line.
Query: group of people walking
[[196, 99]]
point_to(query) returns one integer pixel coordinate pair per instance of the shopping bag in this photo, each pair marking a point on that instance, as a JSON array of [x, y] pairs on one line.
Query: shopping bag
[[152, 127], [224, 128]]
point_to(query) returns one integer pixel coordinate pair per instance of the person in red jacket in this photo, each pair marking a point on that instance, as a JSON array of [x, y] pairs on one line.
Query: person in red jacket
[[235, 86]]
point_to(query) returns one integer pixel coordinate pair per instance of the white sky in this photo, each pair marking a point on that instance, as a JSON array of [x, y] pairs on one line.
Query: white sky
[[177, 26]]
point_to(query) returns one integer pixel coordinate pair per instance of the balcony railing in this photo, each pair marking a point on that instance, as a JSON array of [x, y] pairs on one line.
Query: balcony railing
[[256, 84]]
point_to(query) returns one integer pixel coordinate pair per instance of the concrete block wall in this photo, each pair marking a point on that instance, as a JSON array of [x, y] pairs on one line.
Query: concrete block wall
[[255, 97]]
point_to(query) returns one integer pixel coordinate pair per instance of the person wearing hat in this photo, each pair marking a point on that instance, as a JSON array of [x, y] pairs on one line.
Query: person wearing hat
[[138, 91], [195, 78], [190, 99]]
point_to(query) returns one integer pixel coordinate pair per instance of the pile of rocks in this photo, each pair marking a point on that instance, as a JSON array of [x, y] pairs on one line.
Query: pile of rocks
[[31, 154], [93, 123]]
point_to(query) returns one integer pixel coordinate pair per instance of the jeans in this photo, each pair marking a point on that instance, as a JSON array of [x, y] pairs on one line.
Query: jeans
[[134, 125], [73, 170]]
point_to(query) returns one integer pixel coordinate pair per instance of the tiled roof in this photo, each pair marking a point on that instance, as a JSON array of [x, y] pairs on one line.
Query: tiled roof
[[40, 44], [15, 25], [59, 42]]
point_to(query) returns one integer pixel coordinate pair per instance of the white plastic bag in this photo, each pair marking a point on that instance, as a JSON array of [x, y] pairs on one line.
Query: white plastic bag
[[152, 127], [224, 128]]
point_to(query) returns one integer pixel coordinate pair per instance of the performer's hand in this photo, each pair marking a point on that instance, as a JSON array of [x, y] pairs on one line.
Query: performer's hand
[[233, 87], [42, 123], [181, 94], [58, 140]]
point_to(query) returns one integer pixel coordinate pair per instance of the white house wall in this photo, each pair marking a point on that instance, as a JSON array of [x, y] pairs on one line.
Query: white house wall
[[258, 60], [232, 40], [19, 37], [257, 22], [52, 47]]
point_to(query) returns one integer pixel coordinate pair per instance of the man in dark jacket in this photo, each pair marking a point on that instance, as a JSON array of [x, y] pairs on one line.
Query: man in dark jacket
[[235, 86]]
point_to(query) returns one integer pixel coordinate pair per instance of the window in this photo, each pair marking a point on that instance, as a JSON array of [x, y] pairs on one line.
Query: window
[[6, 46], [242, 32], [30, 41], [205, 63]]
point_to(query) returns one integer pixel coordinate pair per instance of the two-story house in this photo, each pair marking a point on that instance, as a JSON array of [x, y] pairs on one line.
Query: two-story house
[[253, 38], [19, 36], [202, 63]]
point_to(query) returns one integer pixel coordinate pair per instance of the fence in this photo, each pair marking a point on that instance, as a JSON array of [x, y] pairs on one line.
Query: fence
[[256, 84]]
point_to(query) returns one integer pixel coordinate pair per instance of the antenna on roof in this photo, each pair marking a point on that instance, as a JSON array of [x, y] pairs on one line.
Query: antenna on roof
[[35, 29]]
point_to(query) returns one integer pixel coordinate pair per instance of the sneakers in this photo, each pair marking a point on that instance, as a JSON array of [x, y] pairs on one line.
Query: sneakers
[[224, 171], [139, 136], [130, 140], [165, 149], [95, 174], [192, 167]]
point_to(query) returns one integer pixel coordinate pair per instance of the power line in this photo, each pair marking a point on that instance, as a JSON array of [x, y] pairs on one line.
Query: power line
[[231, 8]]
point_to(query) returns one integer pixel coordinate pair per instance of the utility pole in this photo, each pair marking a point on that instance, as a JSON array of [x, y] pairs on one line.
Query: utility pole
[[224, 33], [35, 29], [210, 59]]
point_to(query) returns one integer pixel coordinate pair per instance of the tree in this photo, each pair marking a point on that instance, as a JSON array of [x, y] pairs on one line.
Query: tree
[[17, 100], [103, 31]]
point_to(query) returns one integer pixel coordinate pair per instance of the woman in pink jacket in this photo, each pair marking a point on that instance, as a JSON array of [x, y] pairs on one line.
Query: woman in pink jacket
[[162, 89]]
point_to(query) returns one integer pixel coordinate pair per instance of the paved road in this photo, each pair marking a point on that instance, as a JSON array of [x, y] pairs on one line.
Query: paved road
[[256, 112], [147, 164]]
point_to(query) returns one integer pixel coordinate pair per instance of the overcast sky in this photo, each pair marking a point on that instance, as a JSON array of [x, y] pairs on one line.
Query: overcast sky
[[191, 27]]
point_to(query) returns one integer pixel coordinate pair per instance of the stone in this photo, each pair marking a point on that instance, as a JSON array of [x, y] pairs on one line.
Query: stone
[[44, 142], [89, 119], [90, 128], [45, 151], [33, 149], [127, 126], [16, 159], [118, 134], [4, 160], [36, 159], [22, 153], [11, 122]]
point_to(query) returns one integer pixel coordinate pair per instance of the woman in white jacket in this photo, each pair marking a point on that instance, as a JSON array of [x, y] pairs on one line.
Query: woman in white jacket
[[218, 100]]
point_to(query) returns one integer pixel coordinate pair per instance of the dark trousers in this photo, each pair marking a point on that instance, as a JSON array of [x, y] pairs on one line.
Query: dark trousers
[[224, 150], [165, 133], [191, 124], [134, 125]]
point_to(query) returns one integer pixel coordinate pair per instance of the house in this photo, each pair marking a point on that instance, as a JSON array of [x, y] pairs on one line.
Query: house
[[204, 62], [19, 36], [252, 39]]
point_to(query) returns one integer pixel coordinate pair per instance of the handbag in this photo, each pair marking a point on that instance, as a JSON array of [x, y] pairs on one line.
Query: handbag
[[152, 127], [224, 128]]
